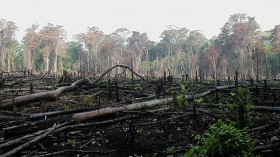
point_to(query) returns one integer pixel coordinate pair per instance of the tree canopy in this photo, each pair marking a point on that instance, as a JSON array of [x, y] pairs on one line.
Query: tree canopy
[[240, 45]]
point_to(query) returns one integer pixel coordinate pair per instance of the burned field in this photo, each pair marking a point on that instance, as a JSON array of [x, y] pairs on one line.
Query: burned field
[[117, 116]]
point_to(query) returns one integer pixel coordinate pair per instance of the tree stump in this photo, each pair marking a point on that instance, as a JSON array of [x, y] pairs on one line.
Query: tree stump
[[65, 78]]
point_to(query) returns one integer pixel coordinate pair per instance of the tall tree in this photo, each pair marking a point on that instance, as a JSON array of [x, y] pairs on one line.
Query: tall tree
[[92, 40], [31, 43], [139, 45], [7, 40], [120, 36], [194, 43], [107, 53], [174, 39], [52, 38], [212, 54], [238, 39], [275, 57], [276, 39]]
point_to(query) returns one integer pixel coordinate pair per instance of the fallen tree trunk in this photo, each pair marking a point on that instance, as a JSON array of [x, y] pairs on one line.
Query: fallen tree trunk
[[266, 108], [214, 90], [31, 127], [112, 110], [50, 95], [28, 80], [261, 128], [254, 108], [214, 116], [140, 105], [258, 149], [27, 144], [20, 139], [16, 130], [84, 125]]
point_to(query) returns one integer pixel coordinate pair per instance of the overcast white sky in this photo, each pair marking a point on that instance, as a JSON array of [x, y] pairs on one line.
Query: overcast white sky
[[150, 16]]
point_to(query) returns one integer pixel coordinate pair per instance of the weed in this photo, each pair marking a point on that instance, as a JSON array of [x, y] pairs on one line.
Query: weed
[[222, 140], [15, 109], [199, 100], [137, 87], [171, 150], [184, 90], [72, 144], [87, 100], [180, 101], [66, 107], [140, 130], [241, 97], [181, 98]]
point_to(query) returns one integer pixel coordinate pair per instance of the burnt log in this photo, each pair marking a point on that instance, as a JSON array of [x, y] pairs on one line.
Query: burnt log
[[17, 130], [50, 95]]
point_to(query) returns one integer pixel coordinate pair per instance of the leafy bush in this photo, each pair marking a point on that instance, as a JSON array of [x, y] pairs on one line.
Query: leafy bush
[[171, 150], [199, 100], [241, 97], [72, 144], [181, 98], [137, 87], [184, 89], [222, 140], [181, 101]]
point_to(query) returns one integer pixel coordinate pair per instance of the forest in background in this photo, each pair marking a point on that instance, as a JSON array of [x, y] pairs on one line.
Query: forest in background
[[241, 46]]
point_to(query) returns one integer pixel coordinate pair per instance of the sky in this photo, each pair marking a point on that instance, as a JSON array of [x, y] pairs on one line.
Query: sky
[[144, 16]]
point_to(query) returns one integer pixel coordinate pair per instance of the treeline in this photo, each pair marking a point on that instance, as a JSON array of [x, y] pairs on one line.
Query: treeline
[[239, 46]]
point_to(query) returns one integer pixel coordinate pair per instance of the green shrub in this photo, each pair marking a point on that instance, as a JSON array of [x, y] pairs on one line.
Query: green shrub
[[222, 140], [181, 101], [171, 150], [72, 144], [241, 97], [181, 98]]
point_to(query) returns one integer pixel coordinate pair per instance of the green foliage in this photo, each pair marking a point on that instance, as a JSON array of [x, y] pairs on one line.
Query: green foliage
[[222, 140], [171, 150], [72, 144], [180, 101], [38, 63], [242, 97], [140, 130], [242, 92], [66, 107], [181, 98], [137, 87], [15, 109], [172, 50], [184, 89], [71, 58], [232, 94], [87, 100], [273, 61], [199, 100], [145, 65], [16, 54], [158, 50]]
